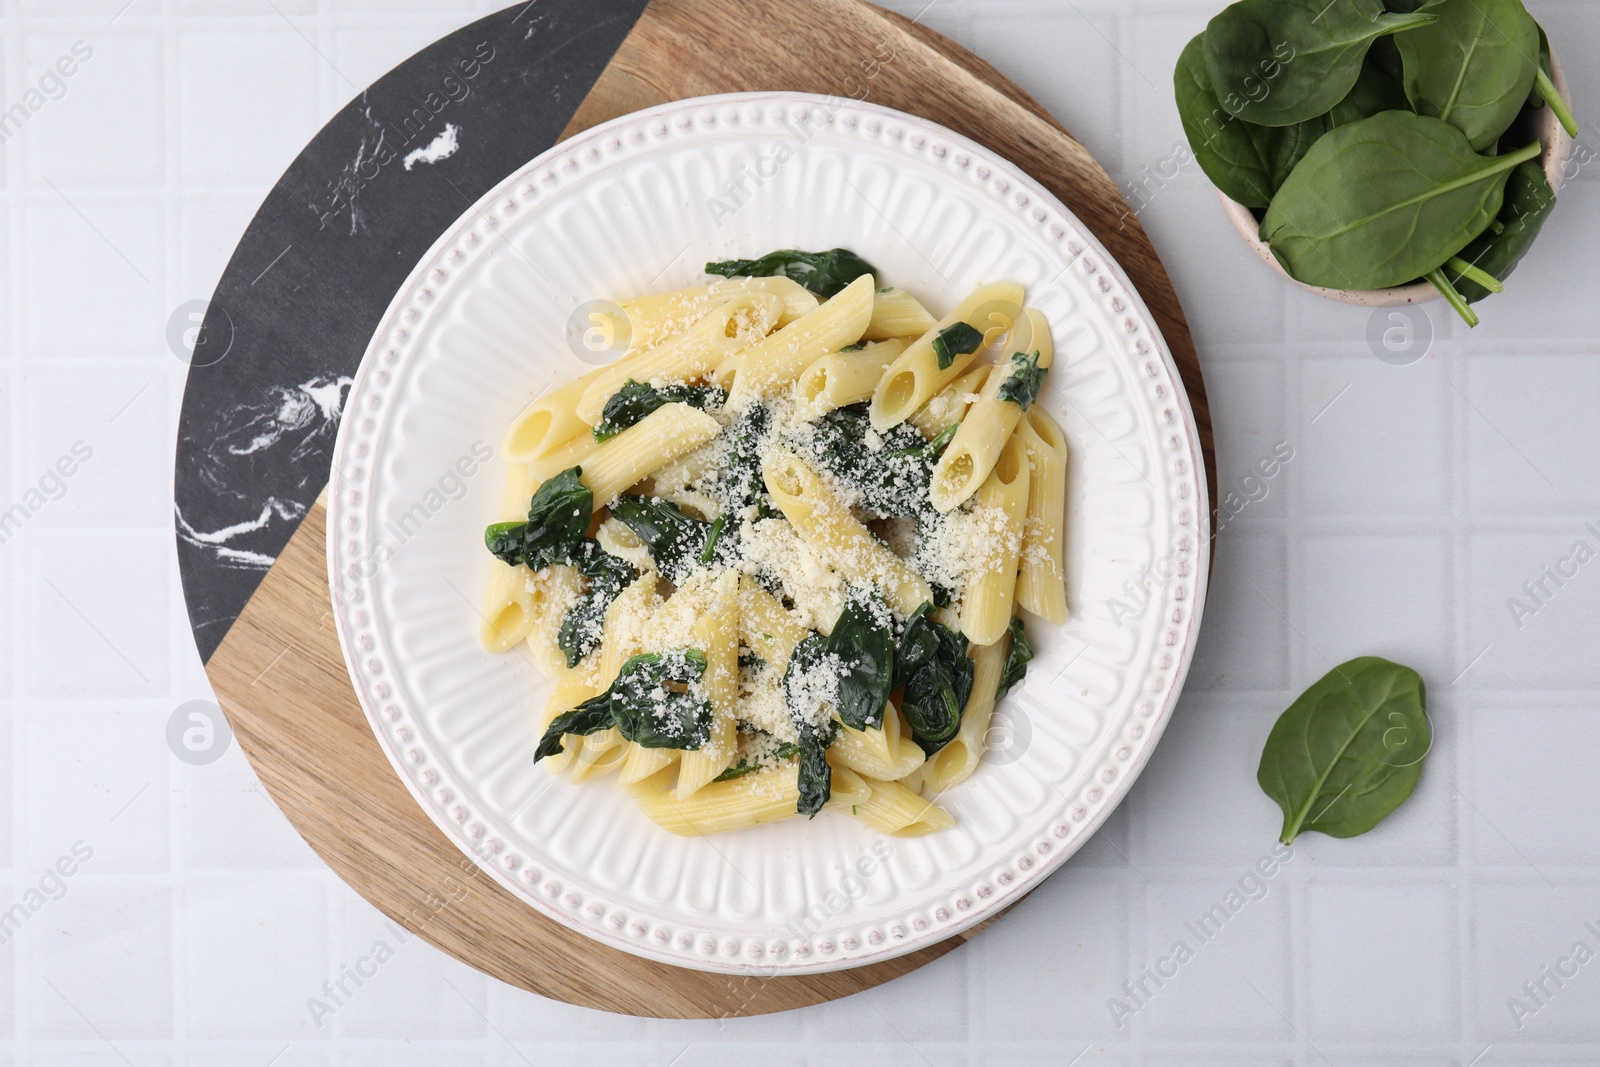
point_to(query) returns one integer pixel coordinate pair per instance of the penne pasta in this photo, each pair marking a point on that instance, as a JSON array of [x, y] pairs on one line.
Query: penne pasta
[[986, 606], [893, 809], [778, 360], [824, 522], [840, 379], [717, 633], [1041, 582], [746, 537], [637, 452], [653, 319], [956, 761], [728, 328], [896, 313], [989, 422], [916, 375], [887, 752], [751, 800], [950, 405], [508, 607]]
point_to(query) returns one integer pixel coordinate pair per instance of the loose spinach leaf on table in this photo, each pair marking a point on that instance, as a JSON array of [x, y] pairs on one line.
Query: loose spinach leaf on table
[[824, 273], [580, 630], [1017, 659], [1245, 161], [590, 717], [1022, 386], [635, 400], [677, 542], [558, 515], [1474, 68], [1279, 62], [1383, 201], [651, 706], [1528, 202], [931, 665], [1349, 750], [957, 339]]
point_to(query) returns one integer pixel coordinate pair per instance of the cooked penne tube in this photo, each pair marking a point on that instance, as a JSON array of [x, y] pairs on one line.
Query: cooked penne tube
[[1041, 582], [956, 761], [992, 580], [554, 591], [563, 457], [652, 319], [893, 809], [596, 755], [548, 422], [765, 626], [762, 797], [639, 763], [641, 449], [949, 407], [825, 523], [776, 361], [568, 689], [726, 329], [840, 379], [508, 607], [887, 752], [988, 423], [717, 633], [916, 376], [896, 313]]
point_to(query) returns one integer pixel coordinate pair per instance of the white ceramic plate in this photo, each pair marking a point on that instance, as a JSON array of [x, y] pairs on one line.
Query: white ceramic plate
[[639, 205]]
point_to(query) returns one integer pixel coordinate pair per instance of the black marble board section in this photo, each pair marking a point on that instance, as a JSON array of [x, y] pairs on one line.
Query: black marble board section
[[324, 256]]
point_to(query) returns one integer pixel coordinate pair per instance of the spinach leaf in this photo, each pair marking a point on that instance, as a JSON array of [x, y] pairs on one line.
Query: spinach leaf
[[801, 697], [1279, 62], [558, 515], [580, 630], [1017, 659], [824, 273], [1245, 161], [862, 641], [649, 707], [1383, 201], [931, 665], [888, 470], [957, 339], [1528, 203], [816, 777], [1536, 97], [1375, 91], [1021, 387], [1474, 68], [635, 400], [675, 541], [741, 486], [590, 717], [1349, 750]]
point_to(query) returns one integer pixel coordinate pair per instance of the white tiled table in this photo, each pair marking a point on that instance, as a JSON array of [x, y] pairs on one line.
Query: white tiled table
[[1416, 505]]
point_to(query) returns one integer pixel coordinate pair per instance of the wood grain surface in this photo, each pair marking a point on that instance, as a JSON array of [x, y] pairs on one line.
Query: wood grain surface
[[279, 673]]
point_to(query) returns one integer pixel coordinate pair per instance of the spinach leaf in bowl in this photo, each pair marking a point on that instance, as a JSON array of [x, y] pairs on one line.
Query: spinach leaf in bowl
[[1375, 91], [1279, 62], [1349, 751], [1247, 162], [1528, 202], [1474, 68], [1384, 201]]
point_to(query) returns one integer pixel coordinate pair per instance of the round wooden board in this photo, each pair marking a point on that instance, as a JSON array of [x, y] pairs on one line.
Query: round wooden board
[[279, 673]]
